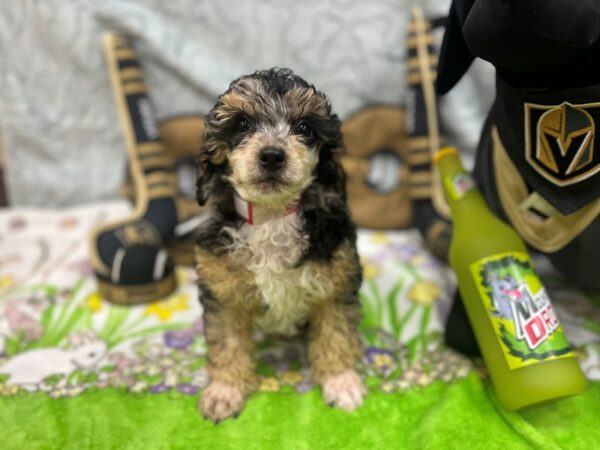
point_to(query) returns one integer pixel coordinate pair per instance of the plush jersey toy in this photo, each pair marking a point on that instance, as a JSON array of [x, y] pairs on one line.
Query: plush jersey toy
[[538, 161]]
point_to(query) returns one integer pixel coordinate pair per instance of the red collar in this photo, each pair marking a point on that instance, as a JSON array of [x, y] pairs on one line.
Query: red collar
[[245, 210]]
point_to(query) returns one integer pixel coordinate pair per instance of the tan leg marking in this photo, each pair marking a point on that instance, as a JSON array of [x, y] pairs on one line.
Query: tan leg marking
[[230, 362], [334, 348], [228, 319]]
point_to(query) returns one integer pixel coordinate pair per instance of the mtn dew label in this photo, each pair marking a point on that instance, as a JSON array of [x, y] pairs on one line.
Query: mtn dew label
[[458, 184], [519, 309]]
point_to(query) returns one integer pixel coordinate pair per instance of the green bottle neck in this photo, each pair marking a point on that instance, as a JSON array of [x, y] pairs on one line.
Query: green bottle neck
[[459, 186], [472, 219]]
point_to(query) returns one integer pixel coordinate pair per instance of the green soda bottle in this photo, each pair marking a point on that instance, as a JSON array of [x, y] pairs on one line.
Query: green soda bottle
[[523, 344]]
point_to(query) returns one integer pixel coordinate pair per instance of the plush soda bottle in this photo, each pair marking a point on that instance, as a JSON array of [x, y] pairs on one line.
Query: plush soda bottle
[[520, 338]]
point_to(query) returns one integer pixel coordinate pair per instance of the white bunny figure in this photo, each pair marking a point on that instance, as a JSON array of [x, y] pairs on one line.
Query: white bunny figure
[[30, 368]]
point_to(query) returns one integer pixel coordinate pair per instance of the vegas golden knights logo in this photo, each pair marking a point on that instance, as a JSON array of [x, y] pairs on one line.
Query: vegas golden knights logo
[[560, 141]]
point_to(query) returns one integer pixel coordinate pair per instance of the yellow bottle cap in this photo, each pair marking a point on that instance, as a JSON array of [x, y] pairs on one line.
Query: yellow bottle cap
[[443, 152]]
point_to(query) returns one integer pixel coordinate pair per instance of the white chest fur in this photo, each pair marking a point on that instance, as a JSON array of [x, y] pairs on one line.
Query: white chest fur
[[271, 251]]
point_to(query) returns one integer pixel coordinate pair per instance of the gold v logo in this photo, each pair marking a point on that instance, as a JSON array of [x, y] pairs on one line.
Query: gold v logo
[[560, 141]]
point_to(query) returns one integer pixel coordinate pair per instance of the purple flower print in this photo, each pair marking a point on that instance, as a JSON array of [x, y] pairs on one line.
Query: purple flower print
[[178, 339], [381, 358], [187, 389], [404, 251], [159, 388], [380, 257], [304, 386]]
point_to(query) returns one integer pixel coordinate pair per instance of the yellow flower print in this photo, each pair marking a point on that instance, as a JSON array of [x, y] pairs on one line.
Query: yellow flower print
[[424, 293], [166, 308], [382, 360], [184, 275], [7, 390], [94, 302], [380, 238], [424, 379], [370, 270], [291, 377], [269, 384], [6, 281], [387, 387], [418, 259]]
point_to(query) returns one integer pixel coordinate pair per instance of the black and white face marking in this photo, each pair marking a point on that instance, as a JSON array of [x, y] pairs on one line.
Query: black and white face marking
[[270, 128]]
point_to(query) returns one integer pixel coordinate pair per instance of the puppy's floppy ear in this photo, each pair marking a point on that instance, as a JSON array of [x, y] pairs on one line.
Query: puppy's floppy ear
[[211, 162], [329, 171], [207, 176]]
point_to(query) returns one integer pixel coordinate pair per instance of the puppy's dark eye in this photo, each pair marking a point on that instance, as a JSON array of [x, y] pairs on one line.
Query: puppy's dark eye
[[304, 129], [243, 124]]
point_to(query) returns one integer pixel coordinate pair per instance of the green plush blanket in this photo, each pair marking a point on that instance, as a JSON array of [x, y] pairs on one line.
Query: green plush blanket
[[78, 373], [462, 415]]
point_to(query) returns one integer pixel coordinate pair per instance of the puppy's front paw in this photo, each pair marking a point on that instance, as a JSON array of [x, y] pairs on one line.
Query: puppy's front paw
[[345, 390], [221, 401]]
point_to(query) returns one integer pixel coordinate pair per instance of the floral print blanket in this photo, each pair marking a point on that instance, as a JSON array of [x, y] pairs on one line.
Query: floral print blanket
[[59, 338]]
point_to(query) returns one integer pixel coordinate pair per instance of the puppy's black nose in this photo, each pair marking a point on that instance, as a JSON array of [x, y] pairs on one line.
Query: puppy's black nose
[[272, 158]]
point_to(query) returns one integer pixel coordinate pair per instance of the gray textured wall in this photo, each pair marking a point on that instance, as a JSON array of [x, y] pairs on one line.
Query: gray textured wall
[[62, 138]]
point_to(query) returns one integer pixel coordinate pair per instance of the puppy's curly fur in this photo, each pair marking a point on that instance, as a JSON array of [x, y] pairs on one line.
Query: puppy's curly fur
[[287, 272]]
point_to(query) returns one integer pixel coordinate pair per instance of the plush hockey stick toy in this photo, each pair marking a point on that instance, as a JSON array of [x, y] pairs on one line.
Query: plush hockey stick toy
[[129, 256], [430, 210]]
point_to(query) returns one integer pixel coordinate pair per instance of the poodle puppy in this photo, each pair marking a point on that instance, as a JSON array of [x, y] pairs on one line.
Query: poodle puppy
[[278, 252]]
